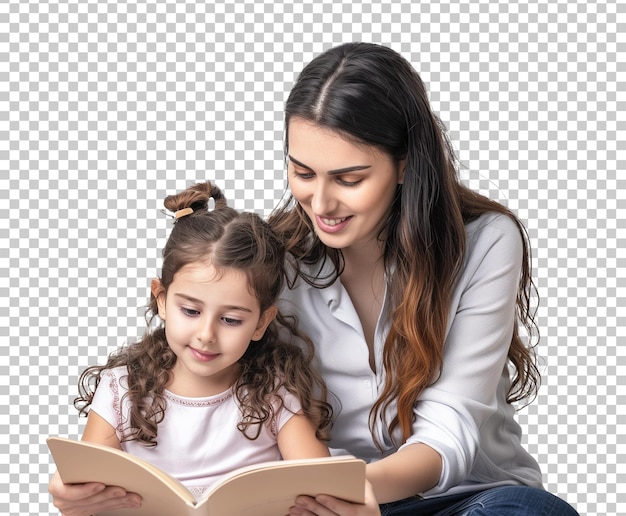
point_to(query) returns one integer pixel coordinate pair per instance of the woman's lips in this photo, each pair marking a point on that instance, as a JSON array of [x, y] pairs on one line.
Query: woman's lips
[[331, 225]]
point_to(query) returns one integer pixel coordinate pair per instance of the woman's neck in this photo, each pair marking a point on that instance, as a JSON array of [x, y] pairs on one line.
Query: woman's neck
[[362, 261], [364, 280]]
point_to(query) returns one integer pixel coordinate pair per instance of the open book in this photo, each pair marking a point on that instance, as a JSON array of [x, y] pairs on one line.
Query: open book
[[266, 489]]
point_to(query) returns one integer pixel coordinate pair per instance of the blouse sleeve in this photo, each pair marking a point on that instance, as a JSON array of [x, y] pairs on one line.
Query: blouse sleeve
[[450, 413], [106, 400], [291, 406]]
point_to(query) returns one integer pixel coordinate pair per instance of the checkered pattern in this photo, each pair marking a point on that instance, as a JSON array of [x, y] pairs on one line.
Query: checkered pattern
[[106, 107]]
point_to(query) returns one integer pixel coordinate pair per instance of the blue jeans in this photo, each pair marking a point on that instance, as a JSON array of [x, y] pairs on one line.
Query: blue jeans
[[497, 501]]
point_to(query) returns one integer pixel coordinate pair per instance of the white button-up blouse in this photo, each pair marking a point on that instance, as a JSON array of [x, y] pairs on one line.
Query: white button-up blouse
[[464, 415]]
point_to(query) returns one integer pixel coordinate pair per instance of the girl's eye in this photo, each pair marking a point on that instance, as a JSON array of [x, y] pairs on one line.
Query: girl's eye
[[231, 322], [190, 312]]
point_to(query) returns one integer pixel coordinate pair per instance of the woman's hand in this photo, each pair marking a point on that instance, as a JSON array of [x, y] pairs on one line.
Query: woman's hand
[[324, 505], [86, 499]]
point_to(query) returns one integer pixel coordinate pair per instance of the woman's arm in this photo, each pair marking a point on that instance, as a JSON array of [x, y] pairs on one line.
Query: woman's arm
[[413, 469], [467, 399]]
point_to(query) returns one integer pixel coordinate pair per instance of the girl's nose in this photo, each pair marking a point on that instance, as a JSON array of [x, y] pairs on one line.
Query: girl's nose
[[206, 332]]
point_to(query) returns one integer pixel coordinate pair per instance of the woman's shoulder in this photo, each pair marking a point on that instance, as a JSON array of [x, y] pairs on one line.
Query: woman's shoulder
[[493, 227], [491, 219], [494, 240]]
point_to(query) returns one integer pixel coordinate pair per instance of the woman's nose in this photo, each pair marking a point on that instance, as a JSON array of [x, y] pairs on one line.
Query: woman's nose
[[323, 200]]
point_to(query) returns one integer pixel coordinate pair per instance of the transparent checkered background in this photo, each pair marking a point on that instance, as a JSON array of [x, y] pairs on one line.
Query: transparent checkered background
[[107, 107]]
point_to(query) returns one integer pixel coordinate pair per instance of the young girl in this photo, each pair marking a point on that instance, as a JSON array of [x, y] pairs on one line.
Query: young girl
[[211, 388]]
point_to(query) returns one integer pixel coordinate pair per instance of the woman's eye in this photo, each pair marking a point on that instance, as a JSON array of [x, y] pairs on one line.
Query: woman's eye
[[190, 312], [345, 182], [303, 175]]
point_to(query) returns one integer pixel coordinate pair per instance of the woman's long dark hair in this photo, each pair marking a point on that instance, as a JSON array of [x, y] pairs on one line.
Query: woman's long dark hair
[[234, 240], [371, 95]]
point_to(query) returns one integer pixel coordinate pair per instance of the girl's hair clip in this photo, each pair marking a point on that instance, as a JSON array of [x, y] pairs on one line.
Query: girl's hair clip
[[181, 213]]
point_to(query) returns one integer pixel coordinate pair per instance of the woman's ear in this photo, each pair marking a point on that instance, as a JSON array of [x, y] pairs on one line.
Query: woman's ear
[[266, 318], [158, 291]]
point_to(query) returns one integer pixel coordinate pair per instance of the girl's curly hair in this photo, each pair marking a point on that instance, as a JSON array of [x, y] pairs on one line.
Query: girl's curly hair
[[232, 240]]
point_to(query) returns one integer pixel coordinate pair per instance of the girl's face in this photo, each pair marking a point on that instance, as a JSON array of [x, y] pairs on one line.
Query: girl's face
[[210, 318], [345, 189]]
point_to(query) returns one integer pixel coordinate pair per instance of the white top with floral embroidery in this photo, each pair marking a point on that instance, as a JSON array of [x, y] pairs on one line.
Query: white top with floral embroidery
[[198, 440]]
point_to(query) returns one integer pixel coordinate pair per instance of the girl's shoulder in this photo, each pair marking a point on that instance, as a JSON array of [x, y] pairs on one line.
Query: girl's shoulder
[[117, 375], [117, 372]]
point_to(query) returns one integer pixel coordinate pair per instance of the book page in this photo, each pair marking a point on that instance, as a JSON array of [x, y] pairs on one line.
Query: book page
[[80, 462], [272, 490], [266, 489]]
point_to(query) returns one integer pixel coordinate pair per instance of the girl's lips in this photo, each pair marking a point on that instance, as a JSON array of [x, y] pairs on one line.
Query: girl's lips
[[331, 225], [203, 355]]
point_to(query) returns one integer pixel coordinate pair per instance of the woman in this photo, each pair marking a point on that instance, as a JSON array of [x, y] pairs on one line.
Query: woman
[[413, 289]]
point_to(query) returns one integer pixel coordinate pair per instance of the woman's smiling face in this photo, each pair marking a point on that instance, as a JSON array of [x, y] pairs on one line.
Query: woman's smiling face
[[345, 189]]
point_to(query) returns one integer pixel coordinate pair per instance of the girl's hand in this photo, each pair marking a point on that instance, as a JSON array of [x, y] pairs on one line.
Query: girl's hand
[[86, 499], [324, 505]]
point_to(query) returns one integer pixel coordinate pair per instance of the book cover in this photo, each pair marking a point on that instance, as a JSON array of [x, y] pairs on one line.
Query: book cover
[[265, 489]]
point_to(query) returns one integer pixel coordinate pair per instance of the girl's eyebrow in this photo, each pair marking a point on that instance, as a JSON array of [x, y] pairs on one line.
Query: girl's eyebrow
[[200, 302], [188, 298], [331, 172]]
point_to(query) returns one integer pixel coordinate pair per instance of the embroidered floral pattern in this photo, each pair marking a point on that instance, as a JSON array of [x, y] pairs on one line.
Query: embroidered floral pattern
[[117, 403], [201, 402], [198, 492]]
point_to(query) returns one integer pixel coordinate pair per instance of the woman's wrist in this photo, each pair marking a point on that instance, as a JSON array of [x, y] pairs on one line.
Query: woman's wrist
[[412, 470]]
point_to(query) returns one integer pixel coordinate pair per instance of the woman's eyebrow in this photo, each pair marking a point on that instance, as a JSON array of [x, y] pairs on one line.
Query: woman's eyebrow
[[331, 172]]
